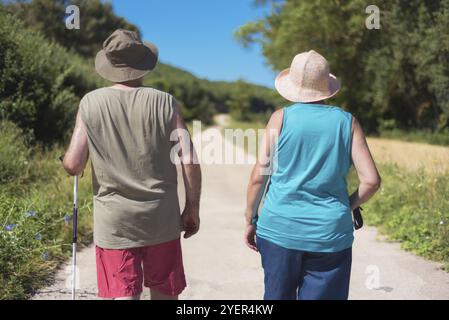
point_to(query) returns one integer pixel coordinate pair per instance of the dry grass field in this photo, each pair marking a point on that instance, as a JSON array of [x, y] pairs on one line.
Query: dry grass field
[[411, 155]]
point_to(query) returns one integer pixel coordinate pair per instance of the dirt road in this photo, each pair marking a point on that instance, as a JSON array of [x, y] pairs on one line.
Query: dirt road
[[219, 266]]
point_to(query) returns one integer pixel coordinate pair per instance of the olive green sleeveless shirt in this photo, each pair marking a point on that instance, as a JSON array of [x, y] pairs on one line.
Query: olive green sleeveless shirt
[[134, 181]]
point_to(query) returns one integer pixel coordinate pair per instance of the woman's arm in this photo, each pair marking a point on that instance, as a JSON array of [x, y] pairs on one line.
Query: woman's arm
[[76, 157], [369, 178], [260, 174]]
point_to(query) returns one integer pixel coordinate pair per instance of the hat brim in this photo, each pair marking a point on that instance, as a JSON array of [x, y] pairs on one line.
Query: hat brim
[[292, 92], [135, 71]]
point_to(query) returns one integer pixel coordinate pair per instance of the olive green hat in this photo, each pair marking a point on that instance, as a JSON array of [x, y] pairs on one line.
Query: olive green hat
[[125, 57]]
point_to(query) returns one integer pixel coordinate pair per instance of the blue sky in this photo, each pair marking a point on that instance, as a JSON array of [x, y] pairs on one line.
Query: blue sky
[[197, 35]]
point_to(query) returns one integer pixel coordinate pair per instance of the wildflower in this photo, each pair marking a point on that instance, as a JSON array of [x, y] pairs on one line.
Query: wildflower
[[45, 256], [441, 222], [38, 236], [30, 214], [67, 218], [9, 227]]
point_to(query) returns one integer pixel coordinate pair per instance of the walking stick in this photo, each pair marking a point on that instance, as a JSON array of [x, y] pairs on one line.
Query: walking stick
[[75, 230], [74, 239]]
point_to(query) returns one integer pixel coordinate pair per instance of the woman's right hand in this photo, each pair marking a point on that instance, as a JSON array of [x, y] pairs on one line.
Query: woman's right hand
[[250, 236]]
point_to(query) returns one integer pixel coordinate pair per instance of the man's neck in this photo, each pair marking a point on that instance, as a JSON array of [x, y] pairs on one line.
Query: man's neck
[[123, 87], [129, 84]]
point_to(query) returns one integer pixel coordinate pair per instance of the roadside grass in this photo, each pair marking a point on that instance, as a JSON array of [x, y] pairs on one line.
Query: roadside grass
[[35, 222], [36, 229], [412, 208]]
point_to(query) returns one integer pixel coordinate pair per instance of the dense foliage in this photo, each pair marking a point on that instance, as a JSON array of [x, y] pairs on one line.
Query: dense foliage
[[40, 82], [48, 16], [398, 73]]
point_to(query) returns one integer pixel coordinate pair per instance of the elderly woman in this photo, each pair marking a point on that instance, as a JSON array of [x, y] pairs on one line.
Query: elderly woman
[[304, 230]]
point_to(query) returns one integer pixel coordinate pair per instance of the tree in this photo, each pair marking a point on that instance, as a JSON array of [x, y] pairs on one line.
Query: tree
[[240, 102], [399, 72], [98, 21], [40, 82]]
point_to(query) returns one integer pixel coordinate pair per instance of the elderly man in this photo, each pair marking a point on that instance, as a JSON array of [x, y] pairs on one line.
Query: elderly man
[[127, 129]]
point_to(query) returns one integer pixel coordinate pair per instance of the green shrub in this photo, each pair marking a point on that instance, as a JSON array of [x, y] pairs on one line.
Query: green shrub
[[40, 82], [413, 208], [14, 152]]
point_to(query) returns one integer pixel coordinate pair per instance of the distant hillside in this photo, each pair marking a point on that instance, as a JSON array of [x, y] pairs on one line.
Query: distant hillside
[[202, 98]]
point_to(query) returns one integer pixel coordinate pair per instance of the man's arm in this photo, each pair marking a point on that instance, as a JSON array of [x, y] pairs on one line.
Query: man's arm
[[75, 158], [191, 173]]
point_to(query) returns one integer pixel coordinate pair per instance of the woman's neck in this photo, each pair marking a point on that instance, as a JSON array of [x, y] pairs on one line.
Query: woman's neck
[[317, 102]]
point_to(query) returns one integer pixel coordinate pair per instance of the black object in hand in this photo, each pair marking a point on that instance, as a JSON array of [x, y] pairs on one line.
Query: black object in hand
[[358, 219]]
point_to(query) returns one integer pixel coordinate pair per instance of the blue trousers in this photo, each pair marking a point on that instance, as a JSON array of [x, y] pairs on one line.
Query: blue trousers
[[301, 275]]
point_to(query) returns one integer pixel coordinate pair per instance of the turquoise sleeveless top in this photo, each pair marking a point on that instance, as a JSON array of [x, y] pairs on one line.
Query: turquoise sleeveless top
[[306, 206]]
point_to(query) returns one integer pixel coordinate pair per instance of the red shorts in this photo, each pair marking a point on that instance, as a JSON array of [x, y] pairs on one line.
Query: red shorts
[[120, 273]]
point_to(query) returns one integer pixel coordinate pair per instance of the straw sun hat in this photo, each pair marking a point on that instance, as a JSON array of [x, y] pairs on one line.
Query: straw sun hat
[[308, 79], [125, 57]]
